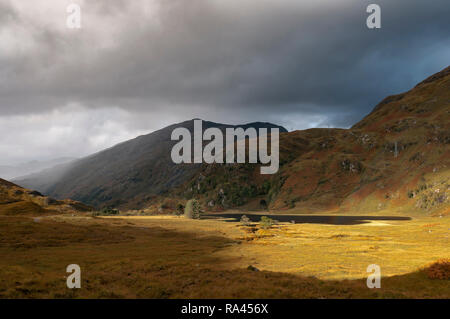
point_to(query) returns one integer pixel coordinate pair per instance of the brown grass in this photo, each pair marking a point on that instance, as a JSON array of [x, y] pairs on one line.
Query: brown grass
[[138, 258], [22, 208]]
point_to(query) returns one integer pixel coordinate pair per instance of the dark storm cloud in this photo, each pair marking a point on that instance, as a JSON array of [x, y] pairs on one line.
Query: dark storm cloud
[[298, 63], [285, 56]]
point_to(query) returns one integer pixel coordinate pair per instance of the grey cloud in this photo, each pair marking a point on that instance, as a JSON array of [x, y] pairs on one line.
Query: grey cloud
[[274, 56], [234, 61]]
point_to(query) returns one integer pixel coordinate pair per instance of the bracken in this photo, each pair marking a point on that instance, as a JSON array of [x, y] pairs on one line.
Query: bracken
[[439, 270]]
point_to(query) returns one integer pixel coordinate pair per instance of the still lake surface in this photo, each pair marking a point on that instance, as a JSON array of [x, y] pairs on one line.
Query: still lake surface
[[308, 219]]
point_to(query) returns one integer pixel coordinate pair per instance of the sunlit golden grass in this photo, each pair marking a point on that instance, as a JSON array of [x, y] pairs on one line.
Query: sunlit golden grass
[[172, 257], [337, 252]]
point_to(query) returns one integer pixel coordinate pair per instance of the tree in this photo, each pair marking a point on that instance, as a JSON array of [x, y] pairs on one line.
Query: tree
[[193, 209], [266, 222], [245, 221]]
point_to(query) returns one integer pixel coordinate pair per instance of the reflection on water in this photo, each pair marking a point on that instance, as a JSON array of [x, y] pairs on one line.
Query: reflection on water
[[310, 219]]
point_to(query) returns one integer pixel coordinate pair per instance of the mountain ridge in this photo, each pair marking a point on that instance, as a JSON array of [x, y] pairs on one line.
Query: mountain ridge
[[397, 157], [140, 166]]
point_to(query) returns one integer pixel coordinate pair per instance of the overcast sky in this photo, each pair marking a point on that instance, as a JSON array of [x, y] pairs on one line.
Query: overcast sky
[[136, 66]]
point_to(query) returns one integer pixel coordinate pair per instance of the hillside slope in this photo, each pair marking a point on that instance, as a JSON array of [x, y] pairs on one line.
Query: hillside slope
[[134, 171], [396, 157], [15, 200]]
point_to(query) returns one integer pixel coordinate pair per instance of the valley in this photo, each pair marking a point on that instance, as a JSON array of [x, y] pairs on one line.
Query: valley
[[224, 159], [376, 193]]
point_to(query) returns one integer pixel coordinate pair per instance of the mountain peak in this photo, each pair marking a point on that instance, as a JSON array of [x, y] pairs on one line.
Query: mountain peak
[[429, 97]]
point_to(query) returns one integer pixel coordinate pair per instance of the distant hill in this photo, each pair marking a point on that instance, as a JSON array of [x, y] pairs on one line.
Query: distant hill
[[15, 200], [131, 172], [16, 171]]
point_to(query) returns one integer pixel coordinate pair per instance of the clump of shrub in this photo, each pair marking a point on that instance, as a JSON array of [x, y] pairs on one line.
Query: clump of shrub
[[245, 221], [107, 211], [180, 210], [266, 222], [193, 209], [263, 203], [291, 202], [439, 270]]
